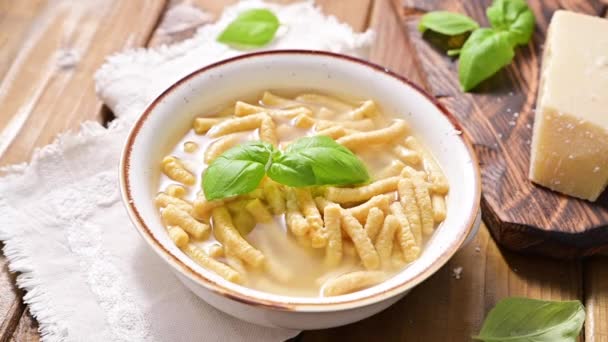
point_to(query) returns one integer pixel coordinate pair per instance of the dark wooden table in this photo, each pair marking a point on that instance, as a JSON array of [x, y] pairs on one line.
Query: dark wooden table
[[41, 99]]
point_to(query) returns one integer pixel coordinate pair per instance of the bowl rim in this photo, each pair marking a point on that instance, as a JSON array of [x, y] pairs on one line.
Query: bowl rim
[[337, 305]]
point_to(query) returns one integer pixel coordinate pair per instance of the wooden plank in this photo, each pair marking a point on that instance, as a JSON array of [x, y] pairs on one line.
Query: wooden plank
[[498, 117], [27, 330], [48, 53], [48, 87], [596, 301], [11, 306], [18, 15]]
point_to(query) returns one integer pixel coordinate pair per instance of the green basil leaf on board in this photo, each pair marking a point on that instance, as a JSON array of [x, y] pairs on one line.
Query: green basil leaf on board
[[447, 23], [237, 171], [484, 53], [514, 16], [252, 28], [486, 50], [331, 163], [531, 320]]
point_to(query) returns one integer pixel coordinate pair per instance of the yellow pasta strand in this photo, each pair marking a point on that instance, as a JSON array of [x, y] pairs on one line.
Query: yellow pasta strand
[[423, 199], [178, 236], [273, 100], [216, 250], [374, 223], [363, 193], [440, 184], [407, 156], [274, 196], [213, 265], [386, 135], [237, 125], [311, 213], [407, 197], [352, 282], [227, 234], [366, 110], [361, 211], [268, 131], [176, 190], [221, 145], [333, 253], [384, 242], [405, 237], [362, 242], [392, 170], [259, 211], [173, 216], [190, 146], [303, 121], [325, 101], [334, 132], [296, 222], [201, 208], [357, 125], [174, 169], [162, 200], [202, 125], [245, 109], [439, 210]]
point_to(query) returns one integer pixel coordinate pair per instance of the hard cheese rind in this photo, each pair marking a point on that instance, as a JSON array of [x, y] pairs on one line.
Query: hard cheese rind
[[570, 142]]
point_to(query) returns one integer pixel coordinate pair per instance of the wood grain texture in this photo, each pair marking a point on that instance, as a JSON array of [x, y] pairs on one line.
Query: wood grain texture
[[498, 117], [27, 329], [48, 86], [49, 51], [445, 308], [596, 299], [11, 306]]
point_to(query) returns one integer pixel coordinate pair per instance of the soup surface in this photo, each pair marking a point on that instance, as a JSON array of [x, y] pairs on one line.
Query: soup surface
[[304, 241]]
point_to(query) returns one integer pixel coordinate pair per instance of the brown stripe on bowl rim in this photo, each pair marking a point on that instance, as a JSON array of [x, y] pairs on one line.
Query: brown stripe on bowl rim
[[334, 305]]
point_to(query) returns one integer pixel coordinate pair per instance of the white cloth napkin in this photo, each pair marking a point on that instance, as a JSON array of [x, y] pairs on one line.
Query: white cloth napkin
[[87, 273]]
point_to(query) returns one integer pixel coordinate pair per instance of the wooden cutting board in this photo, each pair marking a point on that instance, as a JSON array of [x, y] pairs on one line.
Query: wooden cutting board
[[498, 117]]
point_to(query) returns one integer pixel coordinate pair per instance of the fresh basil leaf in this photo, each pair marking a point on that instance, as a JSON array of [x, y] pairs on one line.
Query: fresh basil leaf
[[514, 16], [237, 171], [331, 163], [484, 53], [292, 171], [257, 151], [526, 320], [447, 23], [255, 27]]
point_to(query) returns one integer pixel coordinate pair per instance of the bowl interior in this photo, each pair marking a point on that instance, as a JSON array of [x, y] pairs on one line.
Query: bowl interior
[[170, 116]]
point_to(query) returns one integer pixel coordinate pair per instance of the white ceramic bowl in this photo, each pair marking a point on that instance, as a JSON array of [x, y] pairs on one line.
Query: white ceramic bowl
[[171, 114]]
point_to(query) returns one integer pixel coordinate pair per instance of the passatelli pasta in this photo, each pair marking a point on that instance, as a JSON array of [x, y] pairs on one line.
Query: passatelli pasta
[[304, 241]]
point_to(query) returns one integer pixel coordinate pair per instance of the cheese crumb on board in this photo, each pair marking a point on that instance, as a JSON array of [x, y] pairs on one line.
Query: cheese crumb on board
[[570, 137]]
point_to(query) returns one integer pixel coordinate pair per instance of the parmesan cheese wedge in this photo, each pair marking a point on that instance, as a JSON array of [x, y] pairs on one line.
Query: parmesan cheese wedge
[[570, 138]]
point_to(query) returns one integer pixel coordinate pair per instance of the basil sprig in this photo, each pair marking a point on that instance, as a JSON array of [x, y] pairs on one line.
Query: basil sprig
[[252, 28], [488, 49], [447, 23], [308, 161], [525, 320]]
